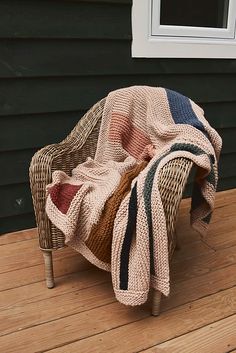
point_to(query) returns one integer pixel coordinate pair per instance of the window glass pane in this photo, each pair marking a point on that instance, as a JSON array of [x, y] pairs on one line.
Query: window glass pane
[[195, 13]]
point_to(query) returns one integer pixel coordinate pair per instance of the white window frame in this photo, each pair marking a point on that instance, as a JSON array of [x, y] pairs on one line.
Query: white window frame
[[150, 39]]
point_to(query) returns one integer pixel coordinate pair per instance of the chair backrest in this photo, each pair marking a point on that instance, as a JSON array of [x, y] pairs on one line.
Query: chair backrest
[[172, 179], [74, 149], [88, 130]]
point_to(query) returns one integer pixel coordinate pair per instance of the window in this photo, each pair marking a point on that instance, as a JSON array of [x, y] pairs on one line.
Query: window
[[184, 28]]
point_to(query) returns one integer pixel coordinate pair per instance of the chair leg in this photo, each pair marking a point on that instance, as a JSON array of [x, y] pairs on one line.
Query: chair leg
[[48, 268], [156, 302]]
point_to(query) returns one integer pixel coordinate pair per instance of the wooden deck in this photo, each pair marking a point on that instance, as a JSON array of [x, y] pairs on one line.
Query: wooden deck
[[81, 315]]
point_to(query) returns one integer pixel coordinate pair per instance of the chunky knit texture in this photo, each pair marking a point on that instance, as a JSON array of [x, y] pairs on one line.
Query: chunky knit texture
[[100, 237], [95, 184], [138, 123]]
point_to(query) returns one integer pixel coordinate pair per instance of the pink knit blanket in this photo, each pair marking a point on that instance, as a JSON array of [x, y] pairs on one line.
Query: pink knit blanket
[[138, 123]]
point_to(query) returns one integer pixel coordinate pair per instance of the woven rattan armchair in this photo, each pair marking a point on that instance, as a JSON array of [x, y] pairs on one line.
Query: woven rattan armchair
[[75, 149]]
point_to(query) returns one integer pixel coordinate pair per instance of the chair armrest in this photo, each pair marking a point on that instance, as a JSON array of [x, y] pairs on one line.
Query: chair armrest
[[66, 155]]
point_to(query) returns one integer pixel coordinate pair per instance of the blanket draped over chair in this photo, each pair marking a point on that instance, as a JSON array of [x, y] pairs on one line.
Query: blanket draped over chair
[[110, 209]]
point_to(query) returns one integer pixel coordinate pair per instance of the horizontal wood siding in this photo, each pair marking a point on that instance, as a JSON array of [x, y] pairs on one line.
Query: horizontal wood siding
[[58, 58]]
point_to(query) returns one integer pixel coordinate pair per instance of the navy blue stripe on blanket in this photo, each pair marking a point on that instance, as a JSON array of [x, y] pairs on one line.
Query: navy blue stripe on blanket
[[130, 231], [147, 193], [197, 199], [182, 111]]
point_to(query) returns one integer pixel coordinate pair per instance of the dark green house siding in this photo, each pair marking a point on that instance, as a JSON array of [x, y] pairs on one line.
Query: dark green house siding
[[57, 58]]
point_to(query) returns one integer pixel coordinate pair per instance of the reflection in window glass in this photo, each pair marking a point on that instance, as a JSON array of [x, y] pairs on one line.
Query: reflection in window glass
[[195, 13]]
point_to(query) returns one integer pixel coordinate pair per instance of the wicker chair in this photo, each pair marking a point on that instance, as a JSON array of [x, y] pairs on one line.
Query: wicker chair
[[78, 145]]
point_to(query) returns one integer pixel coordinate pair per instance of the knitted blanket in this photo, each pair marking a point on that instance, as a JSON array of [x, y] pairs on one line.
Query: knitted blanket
[[110, 209]]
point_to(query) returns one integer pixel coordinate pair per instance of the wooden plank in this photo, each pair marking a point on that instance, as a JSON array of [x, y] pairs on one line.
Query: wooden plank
[[220, 275], [224, 204], [226, 184], [65, 57], [30, 255], [27, 220], [221, 114], [67, 258], [199, 286], [17, 200], [36, 273], [16, 165], [19, 216], [22, 235], [223, 199], [26, 96], [16, 223], [222, 240], [203, 263], [181, 271], [55, 307], [15, 192], [34, 292], [229, 145], [28, 275], [107, 317], [70, 328], [142, 334], [69, 19], [190, 250], [218, 337], [16, 170], [222, 227], [42, 129], [225, 209]]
